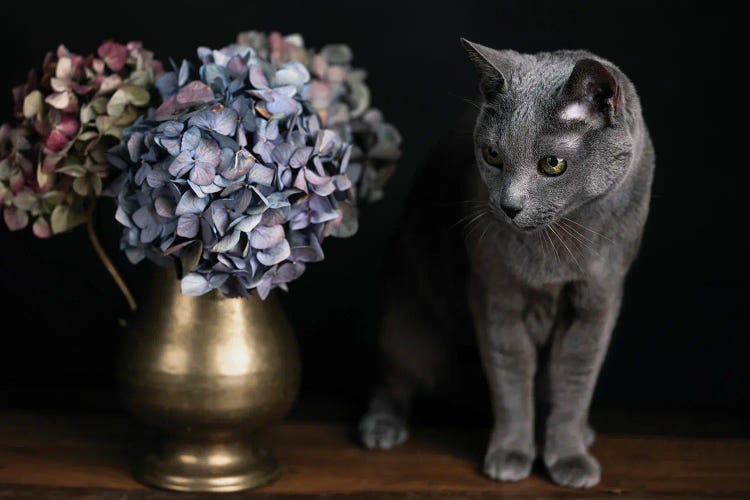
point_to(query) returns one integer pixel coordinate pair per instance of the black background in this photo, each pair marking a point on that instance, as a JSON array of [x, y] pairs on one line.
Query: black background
[[682, 340]]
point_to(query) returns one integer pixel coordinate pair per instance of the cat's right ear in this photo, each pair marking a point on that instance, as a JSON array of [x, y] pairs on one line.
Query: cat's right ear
[[494, 67]]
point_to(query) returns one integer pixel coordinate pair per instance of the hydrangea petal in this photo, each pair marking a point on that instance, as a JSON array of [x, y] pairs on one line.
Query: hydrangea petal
[[187, 226], [292, 73], [15, 219], [41, 228], [194, 93], [261, 174], [164, 207], [182, 164], [194, 284], [274, 254], [219, 119], [263, 237], [257, 78], [227, 243], [191, 204], [247, 223]]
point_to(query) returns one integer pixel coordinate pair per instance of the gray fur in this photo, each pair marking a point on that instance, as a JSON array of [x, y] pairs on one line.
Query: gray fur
[[553, 276]]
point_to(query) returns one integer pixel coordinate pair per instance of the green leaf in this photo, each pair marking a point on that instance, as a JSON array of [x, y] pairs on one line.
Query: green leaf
[[99, 105], [76, 171], [53, 197], [88, 135], [98, 154], [88, 113], [24, 200], [128, 94], [190, 257], [33, 104], [104, 123], [4, 168], [42, 177], [107, 126], [129, 116], [64, 218], [96, 184], [142, 78], [59, 219], [81, 186], [115, 132]]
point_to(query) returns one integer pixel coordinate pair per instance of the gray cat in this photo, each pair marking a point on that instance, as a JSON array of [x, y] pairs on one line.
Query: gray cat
[[560, 195]]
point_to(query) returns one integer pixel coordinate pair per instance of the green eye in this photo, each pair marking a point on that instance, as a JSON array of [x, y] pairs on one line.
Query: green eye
[[492, 156], [552, 165]]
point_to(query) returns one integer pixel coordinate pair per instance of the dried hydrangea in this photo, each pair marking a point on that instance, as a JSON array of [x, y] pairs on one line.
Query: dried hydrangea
[[52, 161], [338, 92], [237, 176]]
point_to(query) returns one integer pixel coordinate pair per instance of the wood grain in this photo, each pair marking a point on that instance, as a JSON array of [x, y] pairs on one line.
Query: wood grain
[[87, 457]]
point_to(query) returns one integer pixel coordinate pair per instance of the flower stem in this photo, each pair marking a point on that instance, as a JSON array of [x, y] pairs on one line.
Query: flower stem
[[106, 260]]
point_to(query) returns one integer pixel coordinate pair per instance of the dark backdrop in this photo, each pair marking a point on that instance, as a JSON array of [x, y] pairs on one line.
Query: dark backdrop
[[682, 340]]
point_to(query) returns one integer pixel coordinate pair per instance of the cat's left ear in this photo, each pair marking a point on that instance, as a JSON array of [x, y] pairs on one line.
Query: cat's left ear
[[591, 93]]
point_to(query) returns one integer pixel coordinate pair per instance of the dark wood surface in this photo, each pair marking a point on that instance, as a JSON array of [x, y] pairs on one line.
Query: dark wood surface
[[72, 456]]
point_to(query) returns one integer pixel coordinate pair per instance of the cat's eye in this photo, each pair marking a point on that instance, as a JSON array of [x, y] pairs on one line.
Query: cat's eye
[[492, 156], [552, 165]]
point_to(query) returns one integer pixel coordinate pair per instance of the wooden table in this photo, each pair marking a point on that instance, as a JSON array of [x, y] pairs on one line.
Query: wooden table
[[53, 456]]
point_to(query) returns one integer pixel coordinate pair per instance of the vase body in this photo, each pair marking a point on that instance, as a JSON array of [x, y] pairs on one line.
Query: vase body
[[208, 372]]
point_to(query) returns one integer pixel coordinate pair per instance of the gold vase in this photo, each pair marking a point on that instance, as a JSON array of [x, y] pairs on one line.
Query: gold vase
[[208, 373]]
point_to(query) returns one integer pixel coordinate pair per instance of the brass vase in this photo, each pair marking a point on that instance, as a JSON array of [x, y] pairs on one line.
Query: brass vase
[[208, 372]]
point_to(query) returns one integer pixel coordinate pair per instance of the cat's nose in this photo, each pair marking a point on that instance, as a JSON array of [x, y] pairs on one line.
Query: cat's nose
[[510, 210]]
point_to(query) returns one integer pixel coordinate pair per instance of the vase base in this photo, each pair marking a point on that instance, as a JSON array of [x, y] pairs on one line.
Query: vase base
[[207, 467]]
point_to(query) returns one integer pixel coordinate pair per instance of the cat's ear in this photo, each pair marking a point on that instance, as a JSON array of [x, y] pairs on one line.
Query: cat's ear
[[494, 67], [591, 93]]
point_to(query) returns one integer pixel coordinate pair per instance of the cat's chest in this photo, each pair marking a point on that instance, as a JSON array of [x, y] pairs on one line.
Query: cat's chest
[[554, 255]]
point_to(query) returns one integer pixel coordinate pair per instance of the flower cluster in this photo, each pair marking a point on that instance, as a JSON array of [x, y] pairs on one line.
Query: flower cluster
[[53, 159], [338, 93], [242, 172]]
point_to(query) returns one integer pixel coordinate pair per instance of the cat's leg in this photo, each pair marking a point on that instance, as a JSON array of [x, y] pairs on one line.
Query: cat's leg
[[589, 435], [385, 424], [409, 353], [575, 359], [509, 359]]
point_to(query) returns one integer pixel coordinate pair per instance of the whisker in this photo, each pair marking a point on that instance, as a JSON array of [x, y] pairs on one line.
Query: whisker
[[475, 203], [577, 232], [586, 242], [551, 242], [566, 247], [474, 223], [587, 228], [582, 242], [468, 101], [475, 218], [544, 249], [486, 228], [478, 202], [466, 217]]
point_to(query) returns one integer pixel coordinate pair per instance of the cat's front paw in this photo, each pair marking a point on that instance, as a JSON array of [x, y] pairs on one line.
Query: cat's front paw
[[577, 471], [382, 431], [506, 465]]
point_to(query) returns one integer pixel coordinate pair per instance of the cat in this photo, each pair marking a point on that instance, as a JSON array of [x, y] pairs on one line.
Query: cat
[[558, 183]]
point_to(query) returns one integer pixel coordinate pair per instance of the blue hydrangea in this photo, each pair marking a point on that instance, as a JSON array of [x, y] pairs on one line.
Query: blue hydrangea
[[241, 173]]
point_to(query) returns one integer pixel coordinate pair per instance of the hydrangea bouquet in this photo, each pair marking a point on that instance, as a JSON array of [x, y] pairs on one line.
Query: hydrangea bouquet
[[250, 162], [52, 159]]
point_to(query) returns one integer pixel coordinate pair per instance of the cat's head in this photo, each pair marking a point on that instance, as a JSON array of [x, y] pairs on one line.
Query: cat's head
[[553, 131]]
